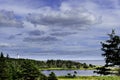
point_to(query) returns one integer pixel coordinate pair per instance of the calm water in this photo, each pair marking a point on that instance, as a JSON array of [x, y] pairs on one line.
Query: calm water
[[79, 72], [65, 72], [94, 62]]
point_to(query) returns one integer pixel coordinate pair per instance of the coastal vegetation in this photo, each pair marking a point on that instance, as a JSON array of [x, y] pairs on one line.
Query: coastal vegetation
[[27, 69]]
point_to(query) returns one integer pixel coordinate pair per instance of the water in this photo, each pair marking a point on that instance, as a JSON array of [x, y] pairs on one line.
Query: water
[[94, 62], [65, 72], [79, 72]]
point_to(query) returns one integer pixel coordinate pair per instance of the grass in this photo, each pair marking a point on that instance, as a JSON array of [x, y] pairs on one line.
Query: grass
[[91, 78]]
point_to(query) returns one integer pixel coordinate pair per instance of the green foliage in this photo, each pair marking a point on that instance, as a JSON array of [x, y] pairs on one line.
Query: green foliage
[[4, 69], [66, 64], [43, 77], [85, 66], [1, 55], [52, 76], [102, 70], [19, 69], [69, 75], [29, 71], [111, 49]]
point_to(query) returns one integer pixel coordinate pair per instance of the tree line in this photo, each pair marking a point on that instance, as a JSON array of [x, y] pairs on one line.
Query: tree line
[[27, 69], [21, 69], [67, 64]]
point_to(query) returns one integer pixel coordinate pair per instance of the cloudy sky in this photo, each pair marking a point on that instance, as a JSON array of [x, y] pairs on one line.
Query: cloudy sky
[[57, 29]]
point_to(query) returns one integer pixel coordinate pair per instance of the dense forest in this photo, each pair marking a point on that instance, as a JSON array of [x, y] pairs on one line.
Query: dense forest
[[27, 69], [65, 64]]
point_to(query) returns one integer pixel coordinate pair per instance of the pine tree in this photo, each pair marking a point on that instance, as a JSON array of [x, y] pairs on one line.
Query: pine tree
[[1, 55], [4, 68], [111, 49], [29, 71]]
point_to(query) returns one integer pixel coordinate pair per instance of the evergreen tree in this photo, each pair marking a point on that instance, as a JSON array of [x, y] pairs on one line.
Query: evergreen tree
[[1, 55], [29, 71], [111, 49], [4, 68]]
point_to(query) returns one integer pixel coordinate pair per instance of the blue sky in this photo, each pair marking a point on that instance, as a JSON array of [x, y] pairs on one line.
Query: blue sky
[[57, 29]]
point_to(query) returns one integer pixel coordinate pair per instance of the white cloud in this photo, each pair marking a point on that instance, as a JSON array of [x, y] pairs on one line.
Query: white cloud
[[6, 45], [109, 14], [70, 18], [65, 17], [8, 19]]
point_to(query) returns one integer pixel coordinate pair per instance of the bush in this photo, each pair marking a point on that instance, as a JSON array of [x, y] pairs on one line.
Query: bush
[[52, 76]]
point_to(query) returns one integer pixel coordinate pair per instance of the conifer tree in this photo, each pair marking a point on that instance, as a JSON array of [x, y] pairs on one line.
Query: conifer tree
[[4, 68], [1, 55], [29, 71], [111, 49]]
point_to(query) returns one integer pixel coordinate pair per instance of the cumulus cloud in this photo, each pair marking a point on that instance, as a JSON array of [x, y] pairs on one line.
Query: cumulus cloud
[[66, 17], [9, 19], [57, 28]]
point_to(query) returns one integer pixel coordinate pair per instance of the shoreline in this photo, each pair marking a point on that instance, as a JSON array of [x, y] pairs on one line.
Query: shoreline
[[49, 69], [90, 78]]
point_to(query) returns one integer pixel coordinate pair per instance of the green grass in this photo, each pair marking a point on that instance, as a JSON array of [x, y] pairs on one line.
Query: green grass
[[91, 78]]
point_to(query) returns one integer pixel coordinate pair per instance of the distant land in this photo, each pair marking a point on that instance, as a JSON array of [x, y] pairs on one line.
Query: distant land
[[94, 62]]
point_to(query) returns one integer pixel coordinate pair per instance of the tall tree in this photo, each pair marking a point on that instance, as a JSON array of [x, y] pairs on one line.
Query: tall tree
[[4, 68], [1, 55], [111, 49]]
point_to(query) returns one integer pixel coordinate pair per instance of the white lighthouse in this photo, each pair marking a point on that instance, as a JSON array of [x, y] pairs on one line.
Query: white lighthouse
[[18, 56]]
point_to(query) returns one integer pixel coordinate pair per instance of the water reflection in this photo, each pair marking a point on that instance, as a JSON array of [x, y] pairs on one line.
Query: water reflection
[[65, 72]]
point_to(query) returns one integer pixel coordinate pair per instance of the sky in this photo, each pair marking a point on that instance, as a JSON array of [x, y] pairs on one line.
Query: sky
[[57, 29]]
